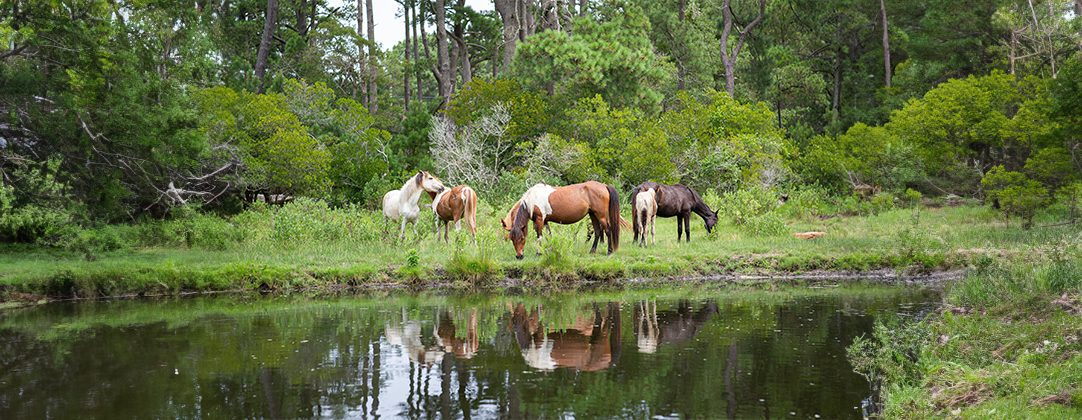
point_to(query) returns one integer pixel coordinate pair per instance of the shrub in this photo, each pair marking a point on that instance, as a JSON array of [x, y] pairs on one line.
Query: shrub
[[35, 207], [1017, 195], [912, 197], [754, 210]]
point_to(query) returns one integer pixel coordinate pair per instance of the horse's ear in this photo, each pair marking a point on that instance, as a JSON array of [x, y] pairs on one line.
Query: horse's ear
[[419, 178], [503, 223]]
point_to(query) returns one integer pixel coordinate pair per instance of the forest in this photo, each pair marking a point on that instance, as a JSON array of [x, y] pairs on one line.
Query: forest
[[154, 148], [117, 111]]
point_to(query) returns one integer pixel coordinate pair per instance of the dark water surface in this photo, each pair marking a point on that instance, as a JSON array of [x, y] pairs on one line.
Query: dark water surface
[[645, 351]]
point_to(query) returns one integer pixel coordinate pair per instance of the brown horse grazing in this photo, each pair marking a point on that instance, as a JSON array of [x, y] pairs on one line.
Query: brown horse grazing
[[680, 201], [565, 205], [454, 205]]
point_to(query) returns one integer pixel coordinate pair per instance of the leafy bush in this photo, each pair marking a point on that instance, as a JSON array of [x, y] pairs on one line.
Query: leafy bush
[[807, 201], [1017, 195], [892, 353], [912, 197], [35, 207], [754, 210], [307, 221]]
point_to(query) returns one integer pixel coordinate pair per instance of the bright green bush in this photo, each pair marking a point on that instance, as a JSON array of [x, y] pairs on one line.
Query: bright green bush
[[1017, 195], [754, 210]]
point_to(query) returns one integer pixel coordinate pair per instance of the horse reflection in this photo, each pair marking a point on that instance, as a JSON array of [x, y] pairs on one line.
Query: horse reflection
[[587, 344], [444, 339], [674, 325]]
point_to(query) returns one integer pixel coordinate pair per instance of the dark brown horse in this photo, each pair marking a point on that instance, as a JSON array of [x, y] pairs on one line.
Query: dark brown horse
[[565, 205], [680, 201]]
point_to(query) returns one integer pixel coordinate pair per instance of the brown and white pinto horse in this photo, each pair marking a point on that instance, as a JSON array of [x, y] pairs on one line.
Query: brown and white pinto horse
[[565, 205], [454, 205]]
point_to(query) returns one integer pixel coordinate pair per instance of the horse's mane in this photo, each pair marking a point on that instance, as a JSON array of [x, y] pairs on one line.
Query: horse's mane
[[522, 218]]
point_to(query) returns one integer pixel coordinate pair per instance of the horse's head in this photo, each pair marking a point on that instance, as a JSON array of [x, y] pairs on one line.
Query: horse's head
[[516, 229], [429, 183], [710, 220]]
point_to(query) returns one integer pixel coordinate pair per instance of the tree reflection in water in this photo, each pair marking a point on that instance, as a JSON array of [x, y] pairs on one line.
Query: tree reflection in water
[[726, 355]]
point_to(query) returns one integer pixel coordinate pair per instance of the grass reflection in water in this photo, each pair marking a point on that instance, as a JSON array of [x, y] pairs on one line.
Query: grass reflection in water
[[702, 351]]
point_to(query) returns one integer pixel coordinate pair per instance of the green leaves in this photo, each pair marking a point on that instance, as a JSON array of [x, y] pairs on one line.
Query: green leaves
[[288, 140], [1017, 195], [611, 56]]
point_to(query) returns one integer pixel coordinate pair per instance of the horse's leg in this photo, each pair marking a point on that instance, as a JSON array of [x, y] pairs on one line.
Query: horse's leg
[[402, 235], [687, 227], [597, 232], [603, 223], [538, 225], [654, 219], [679, 228]]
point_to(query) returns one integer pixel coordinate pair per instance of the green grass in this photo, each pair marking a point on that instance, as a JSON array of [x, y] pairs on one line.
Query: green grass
[[1008, 344], [314, 246]]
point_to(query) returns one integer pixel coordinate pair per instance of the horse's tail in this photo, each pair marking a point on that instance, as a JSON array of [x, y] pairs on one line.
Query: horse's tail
[[635, 220], [469, 201], [614, 218], [624, 223]]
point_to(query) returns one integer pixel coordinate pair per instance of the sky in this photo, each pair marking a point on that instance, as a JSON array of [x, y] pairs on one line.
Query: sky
[[389, 28]]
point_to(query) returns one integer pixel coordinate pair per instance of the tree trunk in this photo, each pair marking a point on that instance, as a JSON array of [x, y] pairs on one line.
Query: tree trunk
[[728, 60], [681, 72], [463, 57], [265, 42], [417, 20], [886, 42], [302, 18], [837, 69], [507, 9], [406, 57], [373, 102], [362, 84], [443, 62], [1010, 52]]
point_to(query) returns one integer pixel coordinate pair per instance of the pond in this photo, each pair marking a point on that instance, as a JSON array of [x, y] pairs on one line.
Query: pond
[[654, 350]]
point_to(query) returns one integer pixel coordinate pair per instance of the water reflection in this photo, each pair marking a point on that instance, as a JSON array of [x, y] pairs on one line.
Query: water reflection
[[591, 342], [756, 355]]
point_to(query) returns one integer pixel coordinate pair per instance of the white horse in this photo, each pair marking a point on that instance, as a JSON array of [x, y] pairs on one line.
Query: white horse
[[645, 212], [402, 203]]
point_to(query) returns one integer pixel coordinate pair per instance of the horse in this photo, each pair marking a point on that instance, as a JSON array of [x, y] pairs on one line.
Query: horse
[[454, 205], [402, 203], [565, 205], [645, 213], [680, 201]]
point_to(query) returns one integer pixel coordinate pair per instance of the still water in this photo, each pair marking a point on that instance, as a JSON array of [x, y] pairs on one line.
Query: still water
[[645, 351]]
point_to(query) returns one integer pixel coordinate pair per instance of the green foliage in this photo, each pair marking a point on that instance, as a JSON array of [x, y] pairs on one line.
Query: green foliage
[[35, 207], [1070, 196], [1053, 269], [530, 111], [754, 210], [912, 197], [623, 144], [893, 353], [301, 141], [1052, 167], [1017, 195], [724, 145], [974, 121], [308, 221], [609, 54]]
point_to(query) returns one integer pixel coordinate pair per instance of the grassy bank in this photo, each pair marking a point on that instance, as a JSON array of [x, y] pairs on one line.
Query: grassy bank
[[307, 244], [1008, 344]]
